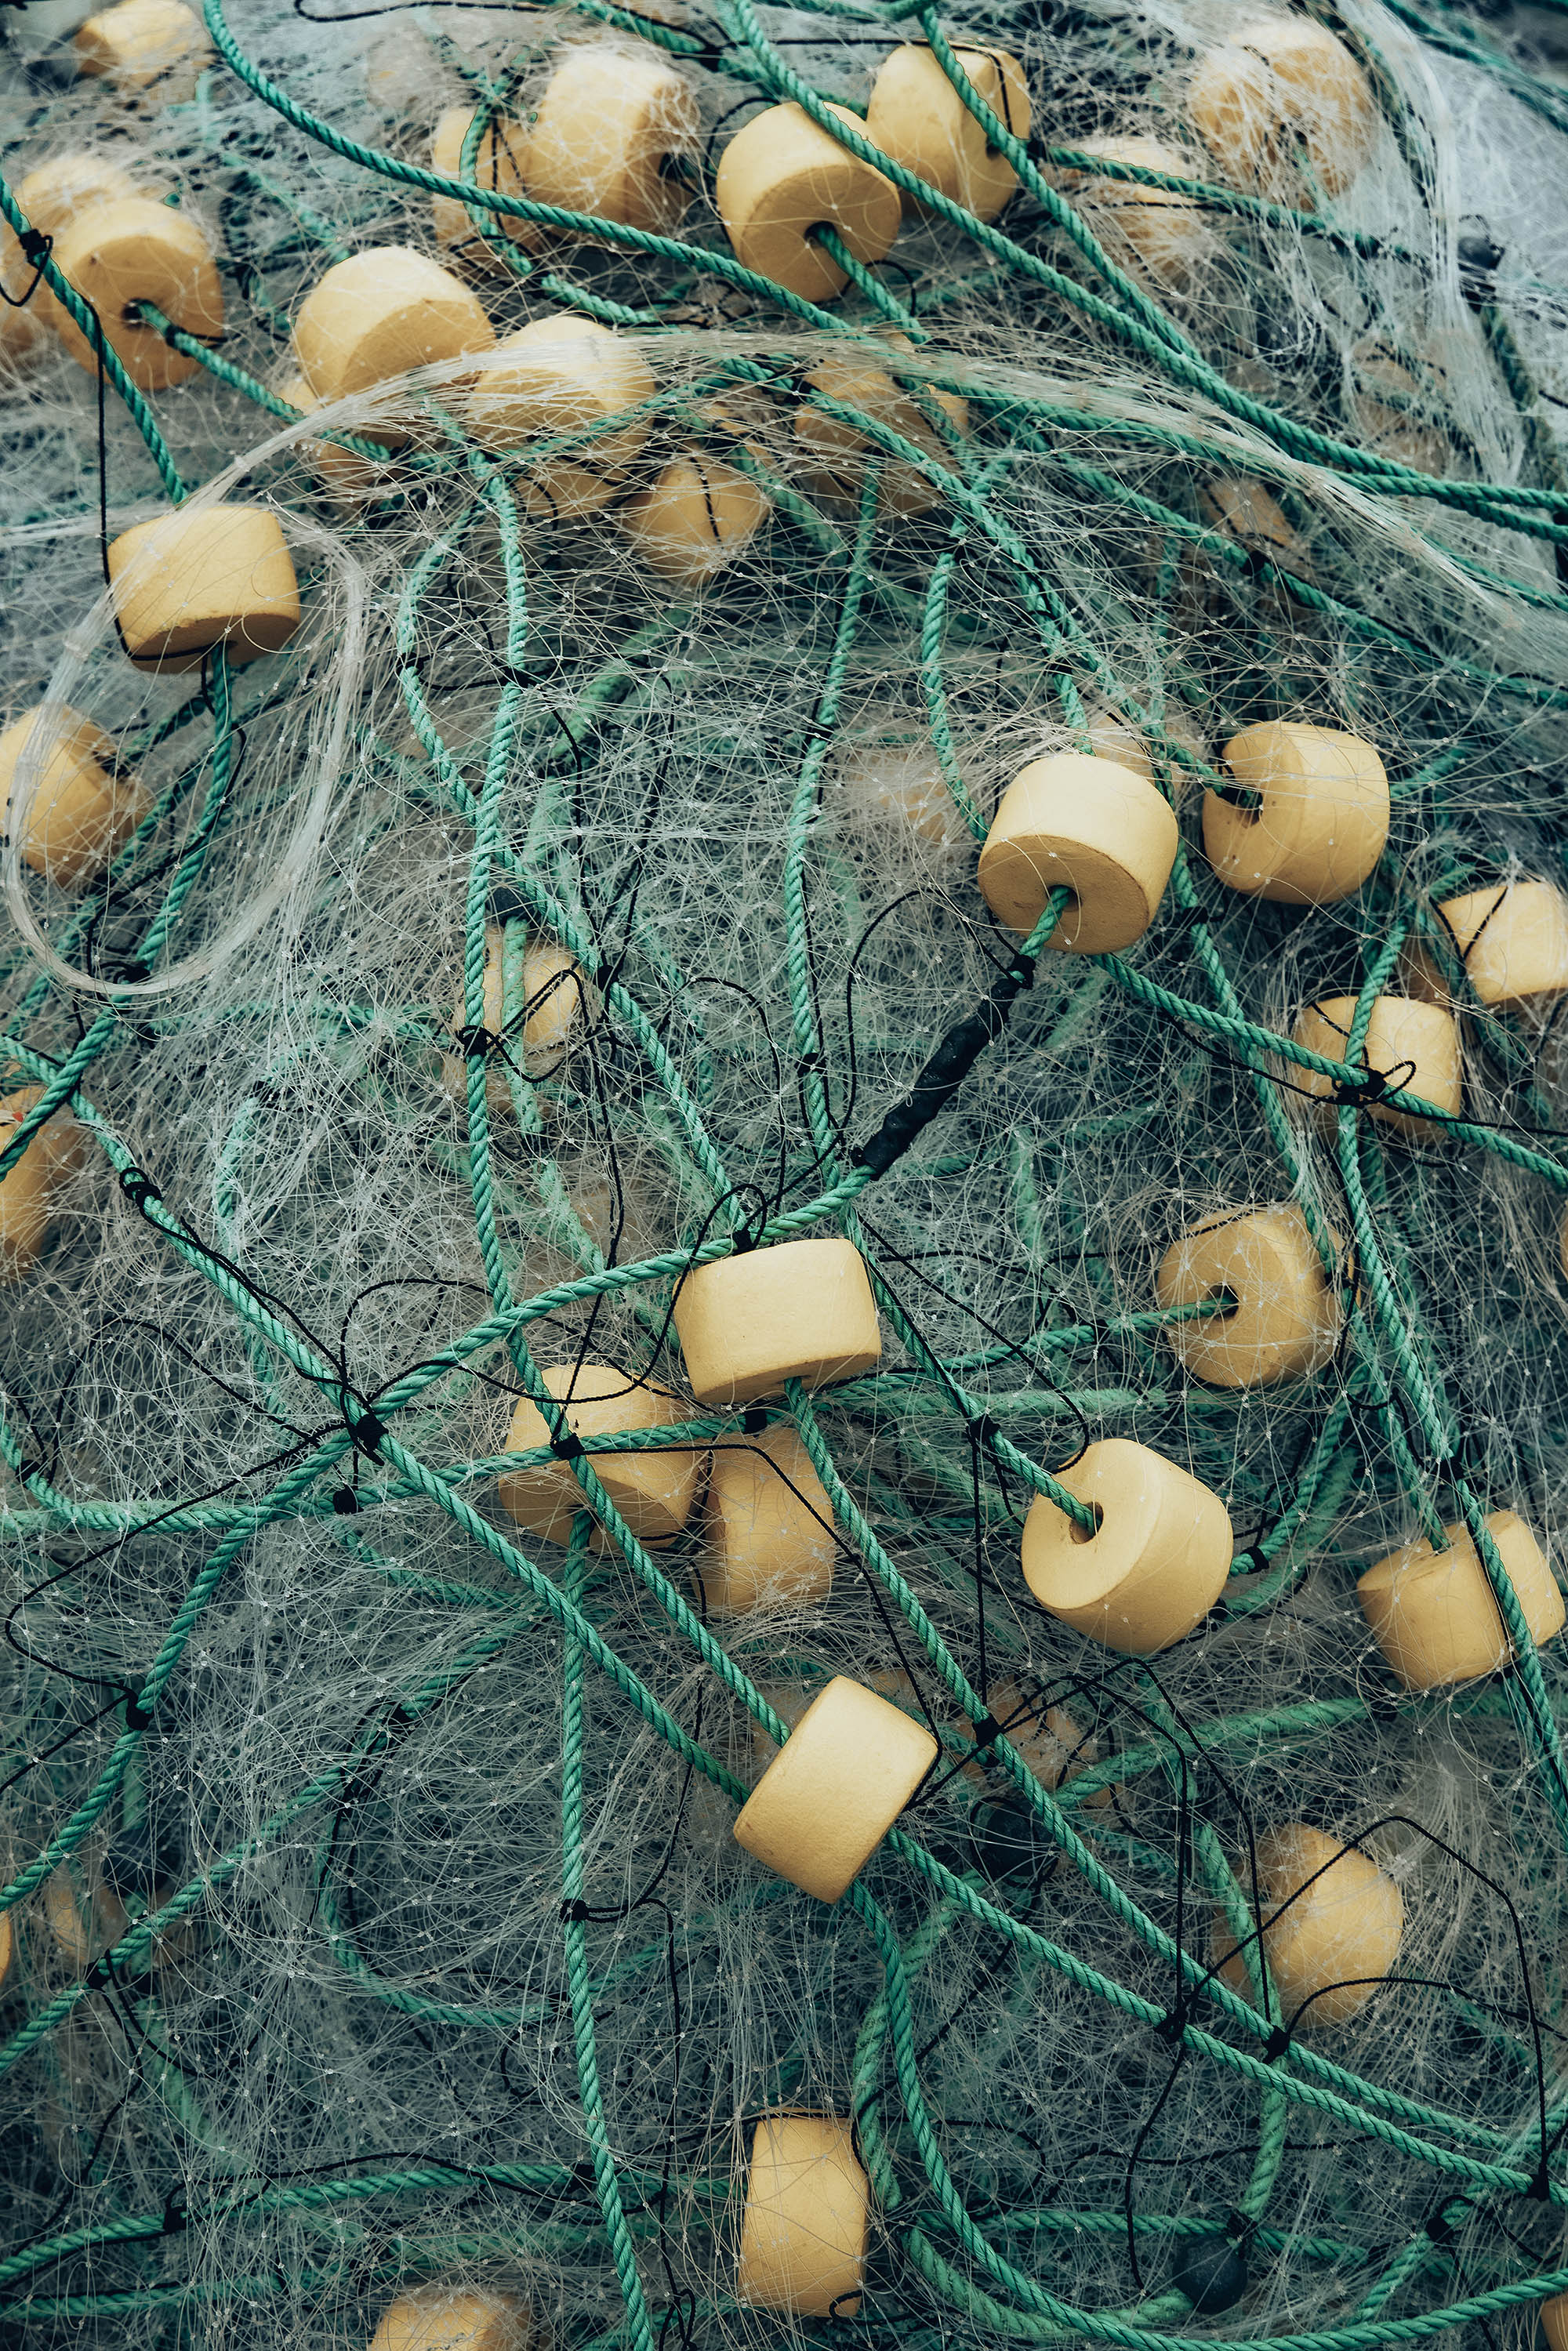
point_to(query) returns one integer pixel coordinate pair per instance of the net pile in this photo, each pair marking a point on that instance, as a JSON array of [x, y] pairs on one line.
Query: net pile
[[563, 909]]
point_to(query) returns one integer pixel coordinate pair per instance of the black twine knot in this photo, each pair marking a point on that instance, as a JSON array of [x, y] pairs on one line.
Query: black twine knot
[[476, 1043], [1355, 1094], [365, 1428], [138, 1189], [574, 1912], [137, 1715], [567, 1447]]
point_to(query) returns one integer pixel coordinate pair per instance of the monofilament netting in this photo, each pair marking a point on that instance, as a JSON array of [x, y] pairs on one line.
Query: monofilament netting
[[376, 1918]]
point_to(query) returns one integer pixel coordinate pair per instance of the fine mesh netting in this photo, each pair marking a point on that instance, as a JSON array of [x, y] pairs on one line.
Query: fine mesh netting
[[586, 892]]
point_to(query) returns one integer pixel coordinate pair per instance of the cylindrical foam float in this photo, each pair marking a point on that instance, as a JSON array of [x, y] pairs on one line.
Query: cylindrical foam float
[[1332, 1923], [563, 375], [1238, 504], [1394, 425], [798, 1311], [693, 518], [653, 1490], [1512, 939], [839, 451], [767, 1524], [902, 783], [1166, 229], [454, 2318], [1283, 1319], [609, 135], [1433, 1613], [1279, 84], [503, 145], [156, 46], [1412, 1045], [81, 813], [344, 475], [194, 579], [81, 1926], [1156, 1564], [918, 119], [130, 251], [32, 1192], [808, 2210], [52, 196], [1091, 825], [1315, 819], [380, 313], [1553, 2317], [555, 997], [835, 1788], [1046, 1737], [783, 175]]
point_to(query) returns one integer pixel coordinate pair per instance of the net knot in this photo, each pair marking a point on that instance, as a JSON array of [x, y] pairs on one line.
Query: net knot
[[139, 1188], [1355, 1093], [365, 1428], [476, 1043]]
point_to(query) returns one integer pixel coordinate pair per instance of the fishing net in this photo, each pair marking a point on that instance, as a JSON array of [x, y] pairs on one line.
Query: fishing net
[[584, 895]]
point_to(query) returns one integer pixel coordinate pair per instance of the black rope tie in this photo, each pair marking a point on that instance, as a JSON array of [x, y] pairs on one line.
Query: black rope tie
[[946, 1071]]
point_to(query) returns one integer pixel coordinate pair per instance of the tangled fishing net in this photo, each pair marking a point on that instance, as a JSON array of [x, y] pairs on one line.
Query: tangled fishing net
[[581, 896]]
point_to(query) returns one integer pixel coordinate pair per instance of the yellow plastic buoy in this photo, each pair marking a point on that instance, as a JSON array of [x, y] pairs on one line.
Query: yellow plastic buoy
[[1279, 84], [194, 579], [152, 48], [1154, 1566], [1433, 1613], [1281, 1317], [609, 137], [132, 250], [454, 2318], [1512, 939], [832, 1793], [783, 175], [918, 119], [1315, 819], [653, 1490], [1411, 1045], [380, 313], [1332, 1923], [798, 1311], [498, 164], [768, 1525], [1088, 824], [31, 1193], [1164, 228], [692, 520], [81, 812], [808, 2207], [838, 453], [561, 375]]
